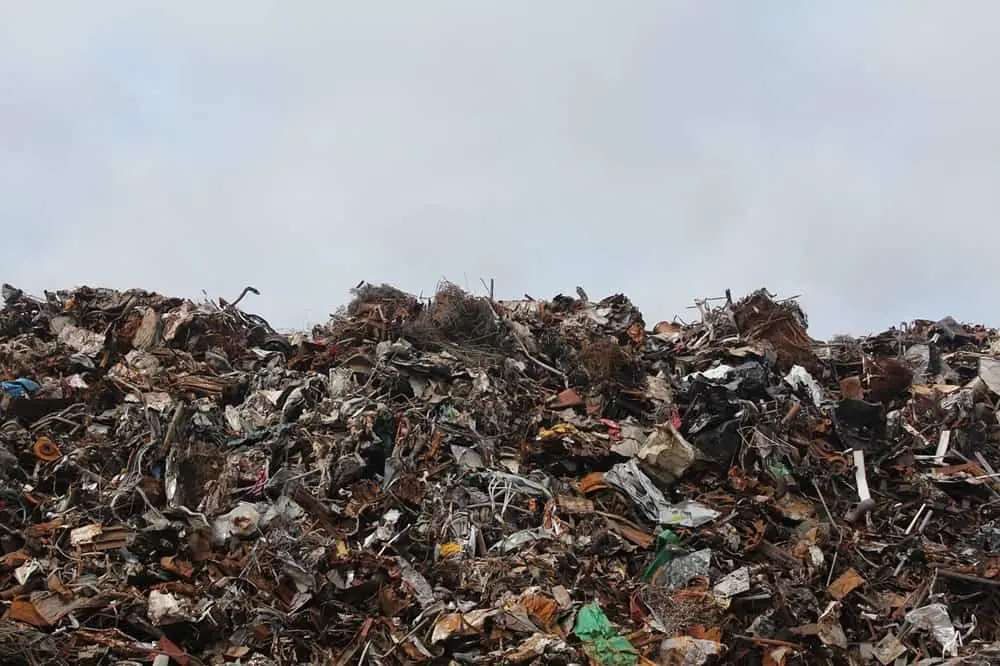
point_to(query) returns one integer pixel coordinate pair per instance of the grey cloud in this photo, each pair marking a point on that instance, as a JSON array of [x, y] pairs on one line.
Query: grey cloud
[[845, 151]]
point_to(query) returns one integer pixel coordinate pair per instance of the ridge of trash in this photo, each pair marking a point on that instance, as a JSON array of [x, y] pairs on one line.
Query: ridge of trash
[[463, 480]]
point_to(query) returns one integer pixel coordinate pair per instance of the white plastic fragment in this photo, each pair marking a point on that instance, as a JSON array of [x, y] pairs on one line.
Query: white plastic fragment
[[889, 649], [944, 441], [719, 372], [480, 383], [696, 651], [385, 530], [81, 340], [86, 534], [934, 619], [666, 449], [284, 508], [421, 589], [682, 570], [916, 433], [467, 457], [161, 401], [519, 539], [918, 359], [534, 646], [830, 631], [241, 521], [523, 484], [658, 388], [860, 477], [989, 372], [77, 381], [460, 623], [628, 478], [798, 377], [341, 381], [26, 571], [632, 438], [166, 608], [732, 584]]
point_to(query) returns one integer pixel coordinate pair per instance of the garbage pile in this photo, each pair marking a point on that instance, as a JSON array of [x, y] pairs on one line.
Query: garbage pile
[[462, 480]]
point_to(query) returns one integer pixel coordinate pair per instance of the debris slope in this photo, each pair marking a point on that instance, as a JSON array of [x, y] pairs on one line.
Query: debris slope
[[463, 480]]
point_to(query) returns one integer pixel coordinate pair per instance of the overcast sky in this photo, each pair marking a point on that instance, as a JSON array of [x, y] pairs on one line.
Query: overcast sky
[[846, 151]]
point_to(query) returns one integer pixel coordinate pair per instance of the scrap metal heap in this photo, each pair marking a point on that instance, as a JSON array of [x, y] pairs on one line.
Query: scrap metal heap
[[469, 481]]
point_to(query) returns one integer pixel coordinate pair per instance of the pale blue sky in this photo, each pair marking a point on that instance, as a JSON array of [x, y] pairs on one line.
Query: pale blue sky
[[847, 151]]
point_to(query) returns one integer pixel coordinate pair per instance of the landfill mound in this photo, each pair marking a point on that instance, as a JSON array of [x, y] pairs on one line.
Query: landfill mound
[[461, 480]]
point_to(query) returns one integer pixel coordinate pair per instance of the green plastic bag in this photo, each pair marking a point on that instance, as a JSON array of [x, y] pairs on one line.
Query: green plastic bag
[[666, 541], [601, 642]]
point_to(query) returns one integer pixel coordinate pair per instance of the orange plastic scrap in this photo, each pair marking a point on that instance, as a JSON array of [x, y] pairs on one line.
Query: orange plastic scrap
[[717, 499], [636, 611], [42, 529], [177, 566], [172, 650], [435, 445], [43, 609], [457, 624], [968, 468], [413, 652], [737, 479], [566, 399], [756, 536], [702, 633], [592, 483], [850, 388], [847, 582], [56, 585], [822, 426], [557, 432], [800, 550], [636, 536], [175, 587], [819, 449], [14, 559], [697, 591], [543, 611], [46, 450], [637, 333], [22, 610], [991, 567]]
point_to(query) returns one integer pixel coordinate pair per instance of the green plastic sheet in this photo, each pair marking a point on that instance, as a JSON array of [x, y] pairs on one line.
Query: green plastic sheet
[[601, 642]]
